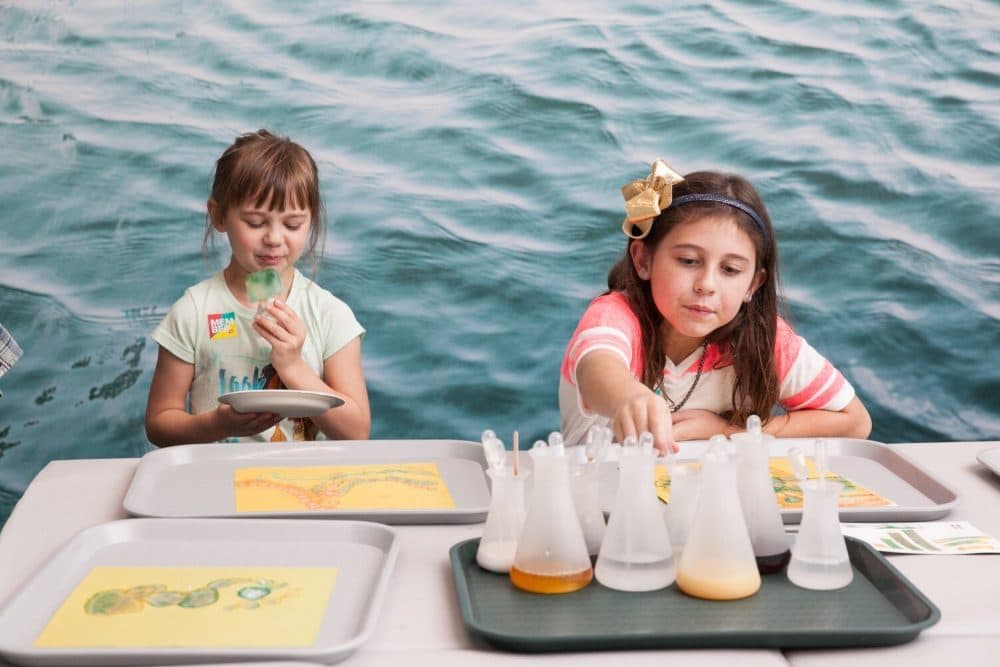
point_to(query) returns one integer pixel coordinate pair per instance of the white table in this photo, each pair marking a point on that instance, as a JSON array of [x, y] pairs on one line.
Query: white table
[[420, 621]]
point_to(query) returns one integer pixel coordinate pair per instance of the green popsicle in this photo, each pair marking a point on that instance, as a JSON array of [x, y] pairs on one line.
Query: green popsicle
[[263, 285]]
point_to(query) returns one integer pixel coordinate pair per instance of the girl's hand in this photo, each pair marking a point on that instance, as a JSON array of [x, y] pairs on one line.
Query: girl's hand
[[645, 411], [700, 425], [239, 424], [286, 333]]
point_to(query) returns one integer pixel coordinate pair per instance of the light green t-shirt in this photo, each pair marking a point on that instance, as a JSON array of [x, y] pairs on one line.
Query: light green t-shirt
[[209, 328]]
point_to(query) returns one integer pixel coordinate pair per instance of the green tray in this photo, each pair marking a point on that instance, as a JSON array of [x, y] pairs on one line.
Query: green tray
[[880, 607]]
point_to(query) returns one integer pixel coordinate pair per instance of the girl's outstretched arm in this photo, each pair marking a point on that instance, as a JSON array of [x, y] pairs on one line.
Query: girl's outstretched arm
[[608, 388], [168, 421], [851, 422]]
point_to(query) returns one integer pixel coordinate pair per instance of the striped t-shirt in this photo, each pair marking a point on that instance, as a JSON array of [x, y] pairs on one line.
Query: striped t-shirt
[[807, 381]]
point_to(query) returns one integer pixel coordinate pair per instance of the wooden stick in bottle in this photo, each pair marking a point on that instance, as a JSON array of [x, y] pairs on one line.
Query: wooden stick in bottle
[[517, 449]]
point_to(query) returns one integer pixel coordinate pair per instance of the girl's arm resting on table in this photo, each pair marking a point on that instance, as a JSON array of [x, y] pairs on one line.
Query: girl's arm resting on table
[[168, 421], [343, 376], [608, 388], [851, 422]]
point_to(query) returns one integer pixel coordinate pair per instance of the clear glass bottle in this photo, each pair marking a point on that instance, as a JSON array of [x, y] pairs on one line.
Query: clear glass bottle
[[551, 554], [685, 483], [819, 557], [636, 553], [760, 508], [504, 521], [585, 484], [718, 561]]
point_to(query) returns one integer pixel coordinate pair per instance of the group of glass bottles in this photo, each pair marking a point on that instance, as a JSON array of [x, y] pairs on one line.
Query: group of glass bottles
[[710, 550]]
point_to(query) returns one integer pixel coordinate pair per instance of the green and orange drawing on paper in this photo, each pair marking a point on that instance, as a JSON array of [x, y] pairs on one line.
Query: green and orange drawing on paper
[[788, 491], [385, 486], [192, 607]]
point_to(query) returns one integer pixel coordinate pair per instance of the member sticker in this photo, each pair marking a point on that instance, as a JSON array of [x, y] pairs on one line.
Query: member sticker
[[221, 325]]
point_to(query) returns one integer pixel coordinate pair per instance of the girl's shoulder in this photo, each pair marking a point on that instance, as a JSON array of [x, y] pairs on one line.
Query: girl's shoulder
[[609, 310], [315, 297], [787, 346], [308, 289], [210, 290], [612, 302], [614, 299], [784, 330], [214, 282]]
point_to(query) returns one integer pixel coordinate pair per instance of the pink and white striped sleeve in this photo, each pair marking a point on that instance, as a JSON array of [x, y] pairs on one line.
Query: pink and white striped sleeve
[[607, 324], [806, 379]]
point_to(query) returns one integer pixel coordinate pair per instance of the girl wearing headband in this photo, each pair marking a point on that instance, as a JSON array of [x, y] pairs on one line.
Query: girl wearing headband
[[687, 341]]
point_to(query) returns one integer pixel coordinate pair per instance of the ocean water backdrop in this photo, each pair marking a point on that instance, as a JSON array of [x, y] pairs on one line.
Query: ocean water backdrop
[[471, 157]]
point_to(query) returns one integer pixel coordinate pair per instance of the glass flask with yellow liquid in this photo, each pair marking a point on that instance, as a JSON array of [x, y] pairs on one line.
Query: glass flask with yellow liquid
[[551, 553], [718, 562]]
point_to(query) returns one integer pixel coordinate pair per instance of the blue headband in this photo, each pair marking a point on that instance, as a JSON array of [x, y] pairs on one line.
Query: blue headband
[[728, 201]]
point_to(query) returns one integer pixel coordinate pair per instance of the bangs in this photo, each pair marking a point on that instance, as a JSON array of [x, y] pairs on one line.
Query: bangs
[[273, 177]]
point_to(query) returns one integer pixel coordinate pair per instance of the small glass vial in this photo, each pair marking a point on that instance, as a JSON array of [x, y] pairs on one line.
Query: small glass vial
[[504, 521], [585, 483]]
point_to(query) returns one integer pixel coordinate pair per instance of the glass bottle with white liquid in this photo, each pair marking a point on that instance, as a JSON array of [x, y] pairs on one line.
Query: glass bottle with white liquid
[[636, 553], [819, 557], [504, 521]]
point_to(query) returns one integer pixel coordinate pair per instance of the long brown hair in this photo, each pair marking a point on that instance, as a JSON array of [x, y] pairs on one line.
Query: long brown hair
[[750, 337], [259, 166]]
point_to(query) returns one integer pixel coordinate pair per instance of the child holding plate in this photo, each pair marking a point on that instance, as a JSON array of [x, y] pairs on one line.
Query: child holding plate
[[216, 340]]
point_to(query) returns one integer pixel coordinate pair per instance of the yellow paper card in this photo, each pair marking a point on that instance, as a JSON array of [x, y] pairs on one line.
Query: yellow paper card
[[384, 486], [122, 607], [787, 490]]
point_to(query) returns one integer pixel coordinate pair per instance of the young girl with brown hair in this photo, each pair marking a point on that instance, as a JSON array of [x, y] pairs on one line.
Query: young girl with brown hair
[[266, 199], [687, 342]]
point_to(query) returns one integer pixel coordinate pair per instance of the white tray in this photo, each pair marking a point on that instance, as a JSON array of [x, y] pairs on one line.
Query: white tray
[[990, 458], [363, 552], [197, 480], [918, 494]]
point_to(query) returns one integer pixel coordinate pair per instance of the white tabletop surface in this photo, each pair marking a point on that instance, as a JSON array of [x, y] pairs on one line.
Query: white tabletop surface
[[420, 621]]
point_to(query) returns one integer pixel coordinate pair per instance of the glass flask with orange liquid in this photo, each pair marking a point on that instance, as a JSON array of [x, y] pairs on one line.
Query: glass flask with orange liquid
[[551, 553], [718, 562]]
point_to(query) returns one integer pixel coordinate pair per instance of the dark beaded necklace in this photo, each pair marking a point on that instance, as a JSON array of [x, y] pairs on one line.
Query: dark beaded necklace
[[674, 407]]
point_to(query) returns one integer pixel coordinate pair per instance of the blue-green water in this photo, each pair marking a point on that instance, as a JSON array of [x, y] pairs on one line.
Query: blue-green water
[[471, 157]]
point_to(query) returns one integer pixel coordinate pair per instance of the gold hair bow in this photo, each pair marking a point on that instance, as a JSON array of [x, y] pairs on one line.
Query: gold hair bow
[[646, 198]]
